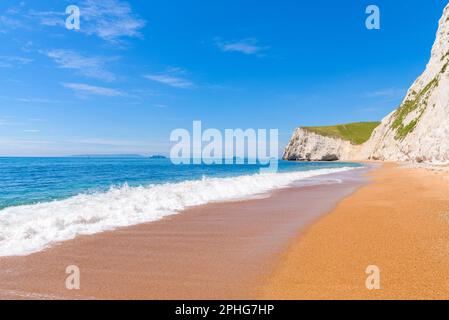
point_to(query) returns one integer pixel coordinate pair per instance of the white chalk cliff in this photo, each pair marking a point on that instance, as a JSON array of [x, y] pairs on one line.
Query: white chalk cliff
[[417, 131], [306, 145]]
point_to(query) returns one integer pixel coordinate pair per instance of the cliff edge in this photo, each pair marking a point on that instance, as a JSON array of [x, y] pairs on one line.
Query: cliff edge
[[417, 131]]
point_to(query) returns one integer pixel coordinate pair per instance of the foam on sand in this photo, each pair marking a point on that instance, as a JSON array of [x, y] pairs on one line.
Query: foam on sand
[[31, 228]]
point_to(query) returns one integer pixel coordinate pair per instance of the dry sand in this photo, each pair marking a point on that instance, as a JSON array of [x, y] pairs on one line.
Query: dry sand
[[399, 223]]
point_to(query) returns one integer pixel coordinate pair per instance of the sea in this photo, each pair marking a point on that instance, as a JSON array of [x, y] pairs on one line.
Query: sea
[[48, 200]]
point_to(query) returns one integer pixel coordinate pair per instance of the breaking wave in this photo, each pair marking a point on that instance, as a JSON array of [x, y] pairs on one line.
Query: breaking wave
[[27, 229]]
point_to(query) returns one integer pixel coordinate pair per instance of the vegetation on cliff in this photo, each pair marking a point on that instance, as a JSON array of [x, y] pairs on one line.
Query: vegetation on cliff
[[410, 105], [357, 133]]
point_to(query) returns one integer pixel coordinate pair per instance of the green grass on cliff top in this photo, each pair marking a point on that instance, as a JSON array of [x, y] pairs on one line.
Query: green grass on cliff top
[[356, 133]]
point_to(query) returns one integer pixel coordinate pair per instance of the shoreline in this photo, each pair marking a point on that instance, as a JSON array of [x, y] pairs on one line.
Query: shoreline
[[215, 251], [399, 223], [38, 224]]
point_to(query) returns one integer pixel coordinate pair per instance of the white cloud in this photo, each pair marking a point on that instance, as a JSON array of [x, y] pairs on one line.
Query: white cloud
[[172, 77], [93, 67], [170, 80], [37, 100], [9, 121], [391, 93], [30, 100], [49, 18], [144, 93], [88, 89], [246, 46], [37, 120], [9, 23], [10, 62], [109, 19]]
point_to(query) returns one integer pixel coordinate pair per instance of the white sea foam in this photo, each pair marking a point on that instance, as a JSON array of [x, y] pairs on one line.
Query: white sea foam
[[32, 228]]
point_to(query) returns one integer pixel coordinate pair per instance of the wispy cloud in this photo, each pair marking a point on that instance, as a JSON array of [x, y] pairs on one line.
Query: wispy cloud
[[93, 67], [21, 142], [11, 62], [30, 100], [37, 120], [107, 19], [37, 100], [48, 18], [247, 46], [7, 23], [144, 92], [171, 78], [16, 17], [390, 93], [9, 121], [88, 89], [110, 20], [369, 109], [107, 142]]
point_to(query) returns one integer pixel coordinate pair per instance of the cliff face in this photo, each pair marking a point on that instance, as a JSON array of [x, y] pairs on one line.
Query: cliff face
[[309, 146], [417, 131]]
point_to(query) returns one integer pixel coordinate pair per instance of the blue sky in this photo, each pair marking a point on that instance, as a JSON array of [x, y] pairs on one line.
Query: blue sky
[[136, 70]]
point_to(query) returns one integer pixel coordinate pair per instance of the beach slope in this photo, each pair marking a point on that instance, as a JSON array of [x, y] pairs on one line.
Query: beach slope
[[216, 251], [399, 223]]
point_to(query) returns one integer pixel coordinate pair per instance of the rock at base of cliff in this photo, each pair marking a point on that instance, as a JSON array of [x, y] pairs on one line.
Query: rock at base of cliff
[[330, 157]]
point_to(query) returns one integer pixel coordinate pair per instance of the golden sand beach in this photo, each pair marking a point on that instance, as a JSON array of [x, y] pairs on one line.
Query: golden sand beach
[[400, 223]]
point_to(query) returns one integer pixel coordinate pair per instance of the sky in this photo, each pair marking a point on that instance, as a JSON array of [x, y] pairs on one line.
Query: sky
[[136, 70]]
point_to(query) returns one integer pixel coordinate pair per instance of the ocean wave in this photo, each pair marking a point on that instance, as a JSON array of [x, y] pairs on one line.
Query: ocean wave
[[31, 228]]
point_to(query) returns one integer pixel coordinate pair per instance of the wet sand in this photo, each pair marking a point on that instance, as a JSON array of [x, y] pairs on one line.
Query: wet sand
[[217, 251], [399, 223]]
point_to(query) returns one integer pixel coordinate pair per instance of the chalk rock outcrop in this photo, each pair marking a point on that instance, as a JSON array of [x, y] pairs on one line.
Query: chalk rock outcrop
[[417, 131], [309, 146]]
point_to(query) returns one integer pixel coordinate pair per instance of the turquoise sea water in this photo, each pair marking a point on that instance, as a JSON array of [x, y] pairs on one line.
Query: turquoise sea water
[[32, 180], [46, 200]]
